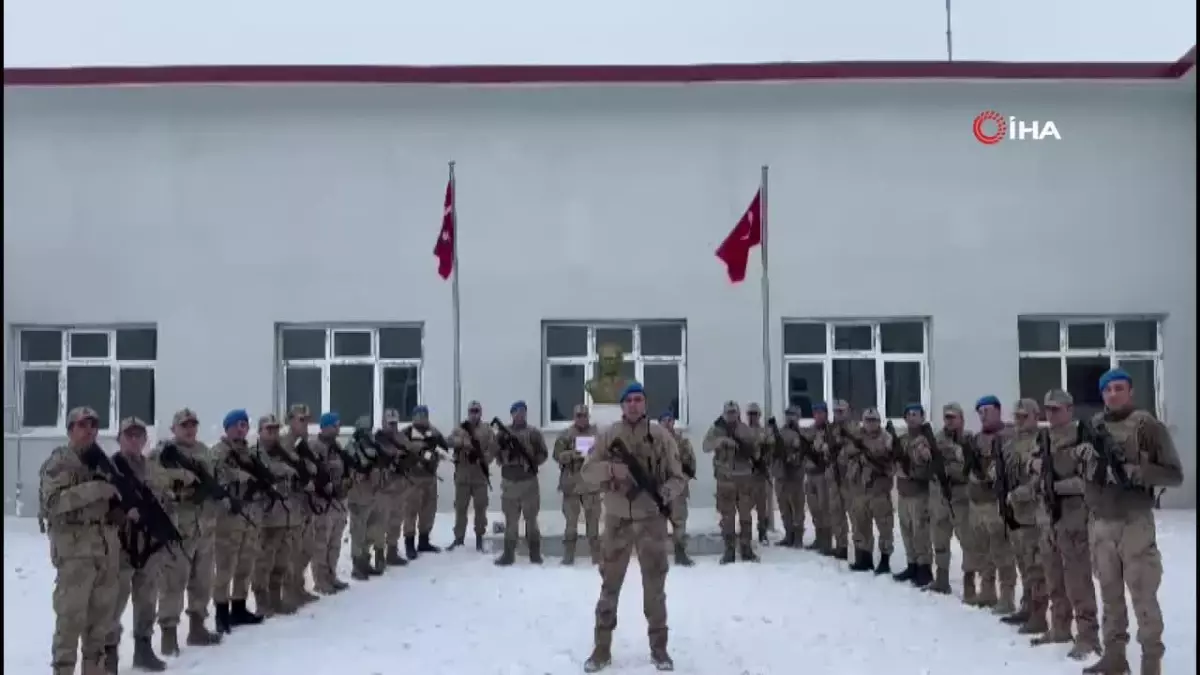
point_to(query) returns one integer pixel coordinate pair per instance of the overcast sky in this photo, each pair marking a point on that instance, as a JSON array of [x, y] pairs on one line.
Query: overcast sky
[[60, 33]]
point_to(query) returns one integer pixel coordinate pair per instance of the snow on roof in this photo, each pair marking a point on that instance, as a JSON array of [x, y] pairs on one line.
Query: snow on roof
[[138, 33]]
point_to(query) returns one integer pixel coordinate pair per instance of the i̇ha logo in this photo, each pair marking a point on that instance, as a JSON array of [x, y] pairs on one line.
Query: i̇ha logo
[[990, 127]]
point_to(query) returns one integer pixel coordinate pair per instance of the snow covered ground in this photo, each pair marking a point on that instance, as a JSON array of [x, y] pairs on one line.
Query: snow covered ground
[[457, 614]]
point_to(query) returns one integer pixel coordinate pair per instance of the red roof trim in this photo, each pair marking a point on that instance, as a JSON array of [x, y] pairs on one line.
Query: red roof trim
[[647, 74]]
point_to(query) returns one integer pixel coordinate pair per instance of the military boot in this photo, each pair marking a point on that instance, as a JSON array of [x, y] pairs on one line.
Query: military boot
[[1084, 647], [1035, 624], [198, 635], [360, 569], [304, 597], [568, 552], [730, 554], [1006, 603], [798, 538], [941, 582], [1151, 665], [379, 560], [815, 544], [789, 539], [423, 545], [923, 576], [862, 561], [969, 589], [1112, 663], [410, 547], [221, 620], [747, 552], [885, 564], [907, 575], [1017, 618], [112, 660], [987, 591], [595, 550], [338, 584], [662, 660], [841, 552], [262, 602], [681, 555], [535, 551], [458, 541], [93, 666], [762, 537], [600, 659], [479, 543], [1057, 635], [239, 615], [169, 640], [144, 657], [281, 602], [509, 556]]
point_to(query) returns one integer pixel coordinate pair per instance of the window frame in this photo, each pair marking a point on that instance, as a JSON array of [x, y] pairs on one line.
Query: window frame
[[325, 362], [1109, 350], [115, 367], [875, 353], [589, 361]]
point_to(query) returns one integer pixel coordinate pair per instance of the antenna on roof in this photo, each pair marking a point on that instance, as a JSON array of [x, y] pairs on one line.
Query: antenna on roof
[[949, 35]]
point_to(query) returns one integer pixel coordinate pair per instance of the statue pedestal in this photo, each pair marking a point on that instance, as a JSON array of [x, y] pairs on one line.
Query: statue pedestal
[[604, 414]]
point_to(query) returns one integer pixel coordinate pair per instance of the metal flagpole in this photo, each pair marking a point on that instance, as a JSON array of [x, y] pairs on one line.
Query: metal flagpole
[[949, 34], [454, 300], [766, 297]]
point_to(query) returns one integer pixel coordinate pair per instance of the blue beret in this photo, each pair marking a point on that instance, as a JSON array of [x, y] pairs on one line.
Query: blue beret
[[987, 400], [820, 406], [421, 410], [914, 407], [631, 388], [329, 419], [517, 405], [1114, 375], [668, 415], [235, 416]]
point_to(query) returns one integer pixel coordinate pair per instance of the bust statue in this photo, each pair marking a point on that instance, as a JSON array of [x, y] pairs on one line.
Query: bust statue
[[606, 387]]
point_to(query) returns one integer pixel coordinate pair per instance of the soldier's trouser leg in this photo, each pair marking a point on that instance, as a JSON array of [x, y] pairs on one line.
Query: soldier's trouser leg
[[917, 508], [393, 515], [762, 502], [679, 516], [531, 506], [189, 573], [479, 500], [377, 521], [992, 537], [229, 544], [745, 509], [572, 507], [124, 590], [362, 511], [787, 518], [428, 510], [593, 505], [462, 503], [836, 514], [510, 504], [420, 505], [772, 505], [961, 519], [941, 528], [884, 517], [906, 530], [337, 530], [271, 565], [1033, 579], [862, 533], [816, 496], [726, 499], [318, 548], [621, 537], [1056, 584], [849, 496], [300, 554], [1126, 554], [85, 592]]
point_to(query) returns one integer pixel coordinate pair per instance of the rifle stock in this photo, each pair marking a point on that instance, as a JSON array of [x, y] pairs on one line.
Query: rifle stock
[[153, 525], [509, 442], [207, 486], [642, 480]]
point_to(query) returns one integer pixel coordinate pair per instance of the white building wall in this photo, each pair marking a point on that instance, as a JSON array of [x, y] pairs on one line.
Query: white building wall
[[217, 213]]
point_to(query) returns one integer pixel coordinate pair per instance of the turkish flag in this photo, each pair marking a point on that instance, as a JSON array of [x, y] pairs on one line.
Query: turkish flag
[[443, 250], [735, 250]]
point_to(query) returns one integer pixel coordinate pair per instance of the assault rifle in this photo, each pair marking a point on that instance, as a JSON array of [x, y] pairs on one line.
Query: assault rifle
[[153, 526], [1111, 457], [321, 480], [1049, 496], [1002, 485], [207, 487], [642, 480], [937, 464], [353, 461], [757, 464], [433, 445], [475, 454], [510, 443], [789, 462], [263, 481], [899, 454]]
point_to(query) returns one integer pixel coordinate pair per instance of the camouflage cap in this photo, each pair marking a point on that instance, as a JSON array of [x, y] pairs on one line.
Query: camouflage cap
[[298, 410], [581, 409], [363, 423], [841, 404], [131, 423], [753, 409], [269, 422], [1028, 406], [183, 416], [793, 410], [1057, 398], [391, 416], [475, 406], [870, 414], [952, 408], [81, 413], [732, 407]]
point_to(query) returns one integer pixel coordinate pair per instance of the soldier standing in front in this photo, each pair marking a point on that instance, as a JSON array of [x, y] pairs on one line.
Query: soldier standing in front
[[990, 530], [1124, 538], [954, 519], [679, 507], [872, 508], [1026, 539], [395, 487], [328, 548], [844, 484], [912, 486], [309, 507], [420, 506], [734, 447], [816, 490], [364, 502], [578, 497], [278, 521], [788, 476], [633, 521], [76, 503], [522, 449], [474, 446], [235, 536], [761, 483]]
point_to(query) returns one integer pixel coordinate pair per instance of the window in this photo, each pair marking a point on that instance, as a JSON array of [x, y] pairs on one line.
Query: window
[[882, 364], [1072, 354], [655, 355], [110, 370], [353, 370]]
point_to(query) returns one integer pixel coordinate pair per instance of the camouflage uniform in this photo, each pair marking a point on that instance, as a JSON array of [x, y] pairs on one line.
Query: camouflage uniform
[[788, 476], [364, 501], [734, 446], [308, 509], [1026, 539], [395, 487], [633, 524], [332, 526], [679, 506], [578, 497], [761, 488], [912, 486], [1123, 533], [870, 471], [190, 570], [816, 490], [989, 529], [841, 487], [471, 483], [279, 522], [421, 501], [520, 496], [953, 519], [76, 503], [236, 546], [1065, 553]]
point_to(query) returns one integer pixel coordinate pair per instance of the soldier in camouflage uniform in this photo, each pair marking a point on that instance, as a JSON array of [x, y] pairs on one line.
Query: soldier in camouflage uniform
[[519, 457], [236, 540], [735, 448], [1065, 552], [279, 521], [1124, 538], [912, 485], [364, 501], [989, 528], [816, 488], [633, 523], [395, 485], [843, 497], [1026, 539], [190, 570], [426, 444], [474, 446], [953, 519], [78, 506], [578, 497], [679, 507], [827, 441], [307, 507], [788, 475], [761, 484], [138, 584], [870, 469], [332, 526]]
